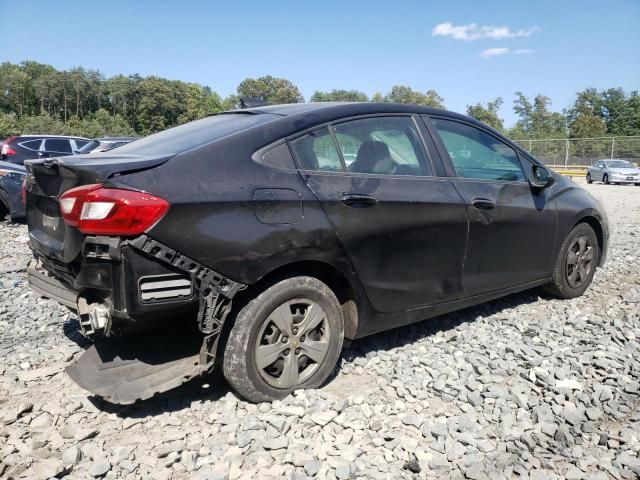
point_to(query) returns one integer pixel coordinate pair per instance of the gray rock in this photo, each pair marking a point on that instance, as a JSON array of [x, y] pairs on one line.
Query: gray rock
[[99, 467], [324, 417], [312, 467], [71, 456]]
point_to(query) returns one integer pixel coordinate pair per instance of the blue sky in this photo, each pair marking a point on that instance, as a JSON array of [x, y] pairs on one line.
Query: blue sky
[[551, 47]]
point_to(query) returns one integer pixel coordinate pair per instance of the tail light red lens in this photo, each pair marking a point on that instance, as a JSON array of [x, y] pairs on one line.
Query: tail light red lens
[[96, 210], [6, 149], [23, 191]]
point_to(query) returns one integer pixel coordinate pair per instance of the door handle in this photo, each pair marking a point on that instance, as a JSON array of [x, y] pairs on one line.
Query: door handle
[[356, 200], [483, 204]]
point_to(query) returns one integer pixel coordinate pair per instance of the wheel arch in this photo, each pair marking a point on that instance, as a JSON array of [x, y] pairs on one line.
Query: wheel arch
[[339, 283], [594, 223]]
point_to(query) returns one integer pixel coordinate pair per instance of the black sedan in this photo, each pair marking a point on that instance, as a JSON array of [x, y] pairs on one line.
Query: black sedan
[[279, 231], [11, 177]]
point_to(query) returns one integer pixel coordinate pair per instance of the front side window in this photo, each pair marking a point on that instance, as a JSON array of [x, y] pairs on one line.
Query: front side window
[[57, 145], [317, 151], [476, 154], [382, 145]]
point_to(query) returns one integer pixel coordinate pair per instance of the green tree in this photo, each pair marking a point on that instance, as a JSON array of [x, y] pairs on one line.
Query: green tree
[[340, 96], [535, 120], [404, 94], [270, 89], [488, 114]]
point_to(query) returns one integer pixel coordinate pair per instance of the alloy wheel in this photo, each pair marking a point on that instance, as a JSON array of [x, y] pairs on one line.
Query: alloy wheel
[[579, 261], [292, 343]]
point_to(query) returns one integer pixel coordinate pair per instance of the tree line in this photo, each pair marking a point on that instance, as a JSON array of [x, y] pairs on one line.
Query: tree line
[[37, 98]]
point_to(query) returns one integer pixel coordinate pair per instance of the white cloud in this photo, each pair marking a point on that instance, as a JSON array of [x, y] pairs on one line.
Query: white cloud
[[473, 31], [494, 52]]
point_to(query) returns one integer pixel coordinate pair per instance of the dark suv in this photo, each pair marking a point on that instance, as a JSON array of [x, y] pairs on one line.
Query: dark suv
[[17, 149], [279, 231]]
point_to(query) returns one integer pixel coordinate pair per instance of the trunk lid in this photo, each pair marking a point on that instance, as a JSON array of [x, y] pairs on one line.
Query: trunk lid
[[48, 178]]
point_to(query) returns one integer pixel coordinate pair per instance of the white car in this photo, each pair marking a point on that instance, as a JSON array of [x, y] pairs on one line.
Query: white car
[[613, 171]]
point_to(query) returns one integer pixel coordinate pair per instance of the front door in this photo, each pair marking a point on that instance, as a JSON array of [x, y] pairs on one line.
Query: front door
[[403, 229], [512, 226]]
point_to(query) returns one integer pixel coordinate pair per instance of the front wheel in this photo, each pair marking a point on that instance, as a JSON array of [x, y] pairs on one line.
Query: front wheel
[[589, 178], [288, 337], [576, 263]]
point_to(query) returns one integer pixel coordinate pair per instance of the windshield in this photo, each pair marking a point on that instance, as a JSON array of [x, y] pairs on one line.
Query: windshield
[[88, 147], [619, 164], [195, 134]]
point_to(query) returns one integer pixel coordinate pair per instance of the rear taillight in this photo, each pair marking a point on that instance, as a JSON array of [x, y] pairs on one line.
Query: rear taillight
[[23, 191], [97, 210], [6, 149]]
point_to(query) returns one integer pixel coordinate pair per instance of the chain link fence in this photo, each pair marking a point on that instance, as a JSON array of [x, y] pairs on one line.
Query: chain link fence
[[583, 152]]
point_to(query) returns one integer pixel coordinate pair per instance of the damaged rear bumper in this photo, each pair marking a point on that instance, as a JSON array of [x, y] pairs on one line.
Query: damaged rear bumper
[[118, 283]]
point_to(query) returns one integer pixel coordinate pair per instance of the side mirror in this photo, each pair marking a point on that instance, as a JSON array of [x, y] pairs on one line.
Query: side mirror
[[542, 177]]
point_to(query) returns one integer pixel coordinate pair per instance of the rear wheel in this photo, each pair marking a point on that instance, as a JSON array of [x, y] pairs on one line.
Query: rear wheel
[[589, 178], [288, 337], [605, 179], [576, 263]]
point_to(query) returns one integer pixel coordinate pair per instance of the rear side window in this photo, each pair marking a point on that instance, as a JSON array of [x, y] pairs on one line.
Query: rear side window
[[31, 145], [81, 143], [195, 134], [382, 145], [476, 154], [317, 151], [59, 145]]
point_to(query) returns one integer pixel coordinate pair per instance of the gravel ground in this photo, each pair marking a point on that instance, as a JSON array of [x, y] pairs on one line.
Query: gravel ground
[[523, 387]]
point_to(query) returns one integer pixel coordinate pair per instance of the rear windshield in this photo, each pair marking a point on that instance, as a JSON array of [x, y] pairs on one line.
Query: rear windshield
[[195, 134], [88, 147]]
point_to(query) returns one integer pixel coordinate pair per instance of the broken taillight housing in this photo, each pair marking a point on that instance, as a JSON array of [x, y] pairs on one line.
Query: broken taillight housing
[[97, 210]]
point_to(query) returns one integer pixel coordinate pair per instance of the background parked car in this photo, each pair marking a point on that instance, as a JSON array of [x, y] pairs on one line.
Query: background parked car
[[613, 171], [19, 148], [11, 177], [104, 144]]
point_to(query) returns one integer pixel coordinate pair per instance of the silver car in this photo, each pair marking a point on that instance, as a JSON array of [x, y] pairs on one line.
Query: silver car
[[613, 171]]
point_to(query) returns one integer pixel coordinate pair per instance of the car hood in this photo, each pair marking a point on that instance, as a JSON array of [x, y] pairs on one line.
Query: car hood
[[13, 167]]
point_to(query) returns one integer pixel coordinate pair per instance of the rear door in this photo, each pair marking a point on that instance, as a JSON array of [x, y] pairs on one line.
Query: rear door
[[403, 228], [512, 226]]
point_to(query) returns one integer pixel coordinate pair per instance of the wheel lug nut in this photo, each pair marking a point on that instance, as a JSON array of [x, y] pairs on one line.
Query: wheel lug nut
[[286, 352], [302, 338], [295, 331], [285, 339], [297, 351]]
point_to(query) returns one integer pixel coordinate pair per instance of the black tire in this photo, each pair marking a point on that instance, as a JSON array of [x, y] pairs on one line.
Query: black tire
[[239, 359], [589, 178], [561, 285], [605, 179], [4, 207]]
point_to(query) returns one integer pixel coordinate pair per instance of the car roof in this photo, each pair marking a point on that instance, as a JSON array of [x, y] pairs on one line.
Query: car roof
[[319, 112], [51, 136], [115, 139], [356, 107]]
